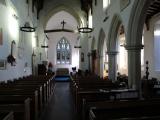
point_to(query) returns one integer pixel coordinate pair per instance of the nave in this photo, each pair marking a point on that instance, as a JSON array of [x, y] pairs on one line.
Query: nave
[[111, 47], [61, 105]]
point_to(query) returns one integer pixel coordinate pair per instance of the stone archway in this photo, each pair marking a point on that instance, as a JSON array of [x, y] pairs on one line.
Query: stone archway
[[100, 62], [112, 46], [62, 8], [134, 43]]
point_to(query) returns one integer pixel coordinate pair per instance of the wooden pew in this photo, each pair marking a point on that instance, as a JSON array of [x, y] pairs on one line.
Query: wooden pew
[[92, 96], [39, 80], [36, 83], [6, 116], [43, 84], [35, 109], [48, 78], [128, 110], [20, 105], [97, 90], [28, 88]]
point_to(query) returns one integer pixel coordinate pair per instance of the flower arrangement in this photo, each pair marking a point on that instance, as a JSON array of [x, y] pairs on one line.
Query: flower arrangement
[[50, 65]]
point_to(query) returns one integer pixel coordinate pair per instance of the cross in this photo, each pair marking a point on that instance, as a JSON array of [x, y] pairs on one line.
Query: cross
[[63, 22]]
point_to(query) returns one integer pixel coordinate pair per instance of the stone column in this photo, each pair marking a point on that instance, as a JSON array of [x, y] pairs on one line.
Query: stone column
[[112, 65], [134, 66]]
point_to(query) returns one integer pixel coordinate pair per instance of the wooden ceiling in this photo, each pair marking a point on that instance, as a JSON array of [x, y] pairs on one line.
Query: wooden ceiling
[[86, 5], [153, 9], [38, 4]]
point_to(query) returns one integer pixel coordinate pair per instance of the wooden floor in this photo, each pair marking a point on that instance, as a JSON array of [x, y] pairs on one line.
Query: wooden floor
[[61, 104]]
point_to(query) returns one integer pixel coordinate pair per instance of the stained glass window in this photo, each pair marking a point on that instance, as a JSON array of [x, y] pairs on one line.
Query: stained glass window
[[63, 52]]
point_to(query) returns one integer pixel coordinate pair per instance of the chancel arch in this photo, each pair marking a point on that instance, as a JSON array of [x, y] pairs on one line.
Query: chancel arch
[[54, 27], [63, 8]]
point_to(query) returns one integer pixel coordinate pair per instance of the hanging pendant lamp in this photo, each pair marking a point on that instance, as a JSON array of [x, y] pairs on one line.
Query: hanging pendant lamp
[[27, 28], [85, 29]]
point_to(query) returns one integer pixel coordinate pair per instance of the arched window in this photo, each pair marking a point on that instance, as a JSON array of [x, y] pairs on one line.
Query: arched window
[[63, 52]]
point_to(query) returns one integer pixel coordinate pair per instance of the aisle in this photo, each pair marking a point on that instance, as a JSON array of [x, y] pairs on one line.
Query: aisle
[[61, 104]]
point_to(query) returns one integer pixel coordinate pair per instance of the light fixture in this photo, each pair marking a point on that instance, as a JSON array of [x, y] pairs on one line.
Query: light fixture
[[44, 46], [77, 46], [85, 29], [27, 28]]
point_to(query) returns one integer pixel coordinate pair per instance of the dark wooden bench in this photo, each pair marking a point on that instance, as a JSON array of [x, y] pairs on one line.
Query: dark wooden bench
[[35, 109], [102, 95], [20, 105], [39, 80], [41, 84], [27, 88], [130, 110], [43, 78], [6, 116]]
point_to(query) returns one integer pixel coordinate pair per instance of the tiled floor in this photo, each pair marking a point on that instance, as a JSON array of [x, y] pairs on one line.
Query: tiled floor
[[61, 104]]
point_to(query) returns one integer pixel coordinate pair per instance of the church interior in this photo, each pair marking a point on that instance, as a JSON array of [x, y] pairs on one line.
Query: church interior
[[79, 59]]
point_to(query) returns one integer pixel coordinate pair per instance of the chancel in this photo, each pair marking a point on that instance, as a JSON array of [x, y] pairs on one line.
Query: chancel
[[79, 59]]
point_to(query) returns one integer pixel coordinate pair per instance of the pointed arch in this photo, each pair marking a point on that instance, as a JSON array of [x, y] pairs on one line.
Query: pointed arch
[[112, 36], [136, 21], [134, 41], [62, 8], [100, 50], [101, 39]]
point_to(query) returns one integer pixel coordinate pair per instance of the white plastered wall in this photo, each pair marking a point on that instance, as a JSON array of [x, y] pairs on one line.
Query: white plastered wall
[[149, 53], [23, 64]]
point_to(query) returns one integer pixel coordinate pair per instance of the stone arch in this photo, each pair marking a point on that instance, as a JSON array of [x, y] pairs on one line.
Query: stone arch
[[112, 36], [134, 41], [136, 22], [62, 8], [112, 46], [101, 39]]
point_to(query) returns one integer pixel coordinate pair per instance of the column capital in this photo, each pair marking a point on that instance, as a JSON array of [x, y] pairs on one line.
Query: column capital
[[112, 52], [134, 47]]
